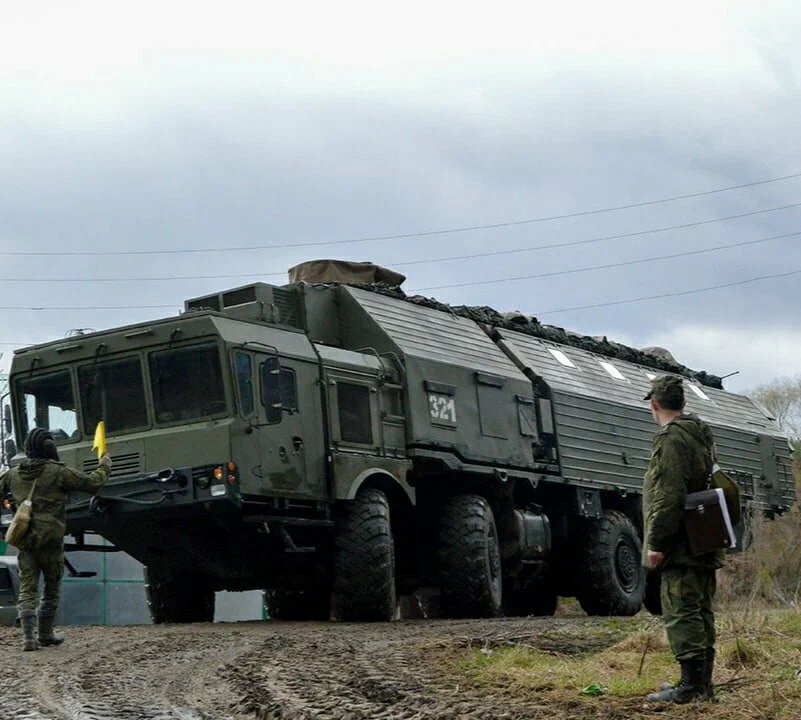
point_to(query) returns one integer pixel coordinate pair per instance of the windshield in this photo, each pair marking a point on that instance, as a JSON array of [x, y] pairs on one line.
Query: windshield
[[115, 393], [187, 383], [47, 401]]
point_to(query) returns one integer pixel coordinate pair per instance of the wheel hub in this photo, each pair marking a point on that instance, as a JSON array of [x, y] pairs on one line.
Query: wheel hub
[[627, 565]]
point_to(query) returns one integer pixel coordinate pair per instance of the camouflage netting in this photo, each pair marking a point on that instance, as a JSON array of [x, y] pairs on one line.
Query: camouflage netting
[[656, 358], [368, 276]]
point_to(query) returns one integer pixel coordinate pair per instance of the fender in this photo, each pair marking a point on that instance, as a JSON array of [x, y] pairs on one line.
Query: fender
[[353, 471]]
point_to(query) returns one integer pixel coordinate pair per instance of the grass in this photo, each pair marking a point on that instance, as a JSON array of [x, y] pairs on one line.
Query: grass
[[759, 658]]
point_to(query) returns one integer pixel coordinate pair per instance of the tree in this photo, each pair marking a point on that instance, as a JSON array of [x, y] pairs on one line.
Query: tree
[[782, 399]]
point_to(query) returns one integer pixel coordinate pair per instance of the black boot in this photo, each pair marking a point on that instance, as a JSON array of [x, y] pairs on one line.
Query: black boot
[[691, 687], [709, 667], [27, 619], [46, 635]]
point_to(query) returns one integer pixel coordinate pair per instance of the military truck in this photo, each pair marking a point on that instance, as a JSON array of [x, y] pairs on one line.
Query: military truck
[[340, 445]]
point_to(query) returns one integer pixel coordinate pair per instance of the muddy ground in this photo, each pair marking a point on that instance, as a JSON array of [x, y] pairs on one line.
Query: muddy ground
[[280, 670]]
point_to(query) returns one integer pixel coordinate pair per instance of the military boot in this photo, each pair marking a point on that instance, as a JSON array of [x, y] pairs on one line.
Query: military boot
[[691, 687], [46, 635], [709, 667], [27, 619]]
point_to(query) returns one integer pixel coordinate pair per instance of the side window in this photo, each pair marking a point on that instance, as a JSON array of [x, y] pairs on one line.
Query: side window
[[355, 421], [279, 390], [289, 390], [243, 367]]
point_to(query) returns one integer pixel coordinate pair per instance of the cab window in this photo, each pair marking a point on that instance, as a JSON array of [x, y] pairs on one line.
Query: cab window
[[48, 401], [187, 383], [113, 391], [243, 368]]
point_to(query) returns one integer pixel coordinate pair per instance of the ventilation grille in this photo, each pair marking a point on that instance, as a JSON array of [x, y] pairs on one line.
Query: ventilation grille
[[287, 307], [239, 297], [123, 466], [212, 302]]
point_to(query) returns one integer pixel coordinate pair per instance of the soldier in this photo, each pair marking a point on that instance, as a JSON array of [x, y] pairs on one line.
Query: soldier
[[681, 462], [42, 549]]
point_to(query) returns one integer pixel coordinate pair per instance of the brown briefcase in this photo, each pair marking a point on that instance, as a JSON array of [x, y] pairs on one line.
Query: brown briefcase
[[708, 523]]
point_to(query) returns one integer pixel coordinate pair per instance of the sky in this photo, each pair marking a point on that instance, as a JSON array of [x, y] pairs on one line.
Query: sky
[[178, 126]]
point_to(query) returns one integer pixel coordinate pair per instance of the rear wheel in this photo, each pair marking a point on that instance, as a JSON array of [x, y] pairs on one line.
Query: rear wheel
[[611, 578], [469, 559], [364, 560], [178, 597]]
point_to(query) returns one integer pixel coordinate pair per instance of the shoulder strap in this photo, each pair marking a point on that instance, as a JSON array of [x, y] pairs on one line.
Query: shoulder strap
[[33, 488]]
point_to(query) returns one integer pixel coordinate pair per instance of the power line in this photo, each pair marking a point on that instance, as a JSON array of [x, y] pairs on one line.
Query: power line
[[555, 273], [672, 294], [626, 263], [493, 253], [402, 236], [627, 301]]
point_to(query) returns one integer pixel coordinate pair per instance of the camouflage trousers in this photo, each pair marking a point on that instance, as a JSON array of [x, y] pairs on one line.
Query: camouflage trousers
[[49, 562], [687, 596]]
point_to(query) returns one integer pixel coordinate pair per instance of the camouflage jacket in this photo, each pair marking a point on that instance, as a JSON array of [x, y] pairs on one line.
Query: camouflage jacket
[[55, 482], [680, 464]]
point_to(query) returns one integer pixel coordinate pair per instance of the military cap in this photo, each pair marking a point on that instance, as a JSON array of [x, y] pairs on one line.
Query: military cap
[[667, 387]]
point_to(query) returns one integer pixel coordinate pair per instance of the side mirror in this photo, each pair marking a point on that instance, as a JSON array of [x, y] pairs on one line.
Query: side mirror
[[10, 450], [271, 390], [7, 419]]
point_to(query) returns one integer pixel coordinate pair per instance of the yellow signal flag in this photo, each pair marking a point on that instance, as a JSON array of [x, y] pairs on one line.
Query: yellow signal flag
[[100, 440]]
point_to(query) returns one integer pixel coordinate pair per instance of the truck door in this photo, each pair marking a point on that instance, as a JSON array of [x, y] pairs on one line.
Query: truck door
[[292, 445]]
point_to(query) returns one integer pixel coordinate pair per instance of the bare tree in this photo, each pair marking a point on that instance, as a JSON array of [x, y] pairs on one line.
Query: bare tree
[[782, 399]]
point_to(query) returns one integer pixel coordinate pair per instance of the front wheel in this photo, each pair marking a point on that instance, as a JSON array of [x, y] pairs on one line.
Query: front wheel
[[364, 559], [178, 597], [611, 578]]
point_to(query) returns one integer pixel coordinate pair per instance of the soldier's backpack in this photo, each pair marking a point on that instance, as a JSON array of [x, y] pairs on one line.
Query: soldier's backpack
[[21, 523]]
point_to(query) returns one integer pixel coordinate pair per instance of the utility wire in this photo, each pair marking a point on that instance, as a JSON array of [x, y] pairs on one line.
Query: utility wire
[[555, 273], [493, 253], [626, 263], [627, 301], [672, 294], [403, 236]]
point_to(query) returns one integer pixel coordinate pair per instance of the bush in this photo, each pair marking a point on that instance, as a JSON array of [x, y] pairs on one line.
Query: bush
[[769, 571]]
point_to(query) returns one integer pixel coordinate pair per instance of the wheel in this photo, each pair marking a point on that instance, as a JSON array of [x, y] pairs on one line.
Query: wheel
[[611, 579], [364, 560], [652, 600], [178, 598], [469, 559], [538, 597], [298, 605]]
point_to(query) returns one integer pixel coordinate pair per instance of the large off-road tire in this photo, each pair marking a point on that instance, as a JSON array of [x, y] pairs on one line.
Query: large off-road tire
[[178, 598], [298, 605], [469, 559], [364, 560], [539, 597], [611, 579]]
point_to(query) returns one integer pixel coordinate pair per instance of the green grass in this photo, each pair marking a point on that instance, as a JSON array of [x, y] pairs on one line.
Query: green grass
[[759, 658]]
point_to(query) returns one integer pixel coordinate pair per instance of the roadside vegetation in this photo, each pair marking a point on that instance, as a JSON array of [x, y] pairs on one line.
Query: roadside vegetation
[[607, 668]]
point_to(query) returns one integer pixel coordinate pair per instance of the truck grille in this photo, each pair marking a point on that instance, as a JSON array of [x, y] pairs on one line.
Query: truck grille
[[123, 465]]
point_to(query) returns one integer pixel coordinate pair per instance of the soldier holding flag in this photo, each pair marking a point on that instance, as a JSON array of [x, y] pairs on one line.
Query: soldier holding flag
[[47, 482]]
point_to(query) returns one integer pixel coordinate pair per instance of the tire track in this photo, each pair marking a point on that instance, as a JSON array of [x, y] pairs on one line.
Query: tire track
[[271, 671]]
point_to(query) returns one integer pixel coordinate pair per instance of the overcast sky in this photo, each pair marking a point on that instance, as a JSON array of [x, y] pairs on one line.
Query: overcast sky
[[189, 125]]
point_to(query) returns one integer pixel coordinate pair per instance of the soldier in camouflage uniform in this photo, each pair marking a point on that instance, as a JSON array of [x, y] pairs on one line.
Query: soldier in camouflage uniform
[[42, 550], [681, 462]]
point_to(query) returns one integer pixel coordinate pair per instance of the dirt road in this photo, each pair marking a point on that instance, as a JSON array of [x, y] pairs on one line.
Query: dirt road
[[266, 670]]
